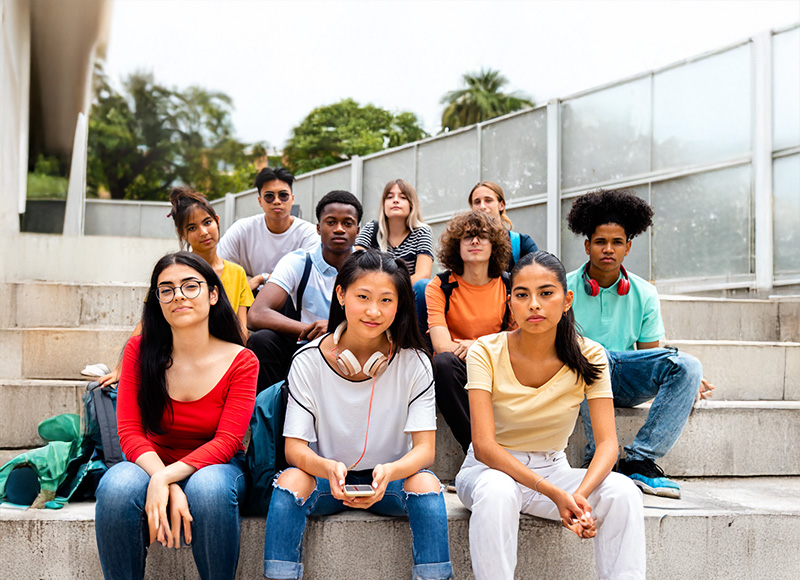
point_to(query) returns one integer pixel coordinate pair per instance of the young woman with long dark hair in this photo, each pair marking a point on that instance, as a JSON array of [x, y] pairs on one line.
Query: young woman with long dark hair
[[525, 388], [197, 226], [184, 402], [361, 411]]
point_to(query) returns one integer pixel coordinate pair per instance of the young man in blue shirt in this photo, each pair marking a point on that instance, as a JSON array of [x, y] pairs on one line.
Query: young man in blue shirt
[[621, 311]]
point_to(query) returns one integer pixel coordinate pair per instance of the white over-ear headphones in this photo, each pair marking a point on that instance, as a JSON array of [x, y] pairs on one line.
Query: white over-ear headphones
[[348, 363]]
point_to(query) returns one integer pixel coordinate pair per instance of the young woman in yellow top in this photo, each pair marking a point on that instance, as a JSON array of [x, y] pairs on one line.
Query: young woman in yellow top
[[525, 389], [197, 225]]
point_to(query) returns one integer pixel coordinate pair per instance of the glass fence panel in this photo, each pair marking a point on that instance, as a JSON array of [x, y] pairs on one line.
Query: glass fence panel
[[247, 204], [447, 169], [302, 188], [514, 154], [606, 135], [703, 225], [155, 223], [786, 89], [573, 252], [112, 219], [378, 171], [330, 180], [531, 220], [786, 192], [702, 110]]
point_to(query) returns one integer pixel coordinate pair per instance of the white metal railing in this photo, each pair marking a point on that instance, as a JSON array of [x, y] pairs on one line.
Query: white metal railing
[[523, 151]]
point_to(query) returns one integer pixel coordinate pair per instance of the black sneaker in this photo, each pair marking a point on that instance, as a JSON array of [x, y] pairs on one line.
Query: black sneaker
[[650, 477]]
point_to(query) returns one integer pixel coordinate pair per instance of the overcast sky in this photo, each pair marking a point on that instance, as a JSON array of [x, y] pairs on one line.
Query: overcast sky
[[278, 60]]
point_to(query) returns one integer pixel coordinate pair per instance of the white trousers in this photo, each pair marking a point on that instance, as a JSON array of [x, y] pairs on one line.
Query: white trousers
[[496, 500]]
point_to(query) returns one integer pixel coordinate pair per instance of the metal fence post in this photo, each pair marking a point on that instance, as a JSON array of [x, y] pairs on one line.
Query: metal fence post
[[357, 177], [554, 177], [762, 161]]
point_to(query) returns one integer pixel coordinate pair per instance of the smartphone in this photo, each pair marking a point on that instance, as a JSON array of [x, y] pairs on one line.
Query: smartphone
[[358, 490]]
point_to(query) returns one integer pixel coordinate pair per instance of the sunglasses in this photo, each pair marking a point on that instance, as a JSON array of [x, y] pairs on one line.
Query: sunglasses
[[270, 197]]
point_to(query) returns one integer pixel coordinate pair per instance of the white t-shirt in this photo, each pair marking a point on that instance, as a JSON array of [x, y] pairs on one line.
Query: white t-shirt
[[250, 244], [333, 415], [319, 289]]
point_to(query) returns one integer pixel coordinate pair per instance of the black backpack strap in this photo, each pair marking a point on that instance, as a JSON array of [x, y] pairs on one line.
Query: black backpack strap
[[447, 288], [301, 288], [107, 421], [373, 241], [507, 314]]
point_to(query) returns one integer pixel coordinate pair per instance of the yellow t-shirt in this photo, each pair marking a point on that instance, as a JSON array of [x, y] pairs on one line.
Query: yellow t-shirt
[[525, 418], [234, 280]]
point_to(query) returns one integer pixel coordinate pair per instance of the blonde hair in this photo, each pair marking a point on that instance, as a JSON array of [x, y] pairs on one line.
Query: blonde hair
[[498, 191], [414, 219]]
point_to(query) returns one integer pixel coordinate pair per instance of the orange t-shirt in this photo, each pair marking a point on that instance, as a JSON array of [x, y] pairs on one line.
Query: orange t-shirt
[[474, 311]]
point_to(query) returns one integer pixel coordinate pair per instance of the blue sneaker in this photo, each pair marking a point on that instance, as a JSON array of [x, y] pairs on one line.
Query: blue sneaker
[[650, 477]]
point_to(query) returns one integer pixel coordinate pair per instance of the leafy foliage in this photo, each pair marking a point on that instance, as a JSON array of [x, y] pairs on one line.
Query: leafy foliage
[[335, 133], [46, 181], [480, 100], [150, 137]]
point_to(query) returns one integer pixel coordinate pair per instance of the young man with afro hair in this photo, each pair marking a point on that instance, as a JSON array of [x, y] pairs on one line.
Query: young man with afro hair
[[621, 311]]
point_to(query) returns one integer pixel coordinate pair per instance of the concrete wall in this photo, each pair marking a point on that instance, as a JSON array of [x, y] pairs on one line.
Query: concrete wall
[[15, 68], [97, 259]]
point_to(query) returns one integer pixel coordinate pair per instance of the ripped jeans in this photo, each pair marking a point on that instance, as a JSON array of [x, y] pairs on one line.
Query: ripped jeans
[[287, 516]]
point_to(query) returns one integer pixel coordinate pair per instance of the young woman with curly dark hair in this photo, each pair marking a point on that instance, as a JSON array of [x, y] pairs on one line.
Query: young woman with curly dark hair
[[475, 249]]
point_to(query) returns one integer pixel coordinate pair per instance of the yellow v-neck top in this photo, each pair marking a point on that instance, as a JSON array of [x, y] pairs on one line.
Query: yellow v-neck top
[[526, 418]]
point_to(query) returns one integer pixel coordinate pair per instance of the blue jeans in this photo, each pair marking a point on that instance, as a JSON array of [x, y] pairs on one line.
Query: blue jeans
[[287, 516], [669, 377], [213, 492], [421, 305]]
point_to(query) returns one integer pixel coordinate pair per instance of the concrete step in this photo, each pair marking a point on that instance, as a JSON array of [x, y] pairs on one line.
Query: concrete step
[[58, 353], [731, 528], [689, 317], [722, 438], [70, 305], [743, 371], [25, 403]]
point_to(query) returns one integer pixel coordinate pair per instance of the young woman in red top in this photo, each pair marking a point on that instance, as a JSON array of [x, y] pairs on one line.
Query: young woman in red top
[[186, 395]]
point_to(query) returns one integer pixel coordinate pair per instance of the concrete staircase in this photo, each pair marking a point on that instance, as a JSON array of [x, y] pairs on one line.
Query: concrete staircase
[[737, 458]]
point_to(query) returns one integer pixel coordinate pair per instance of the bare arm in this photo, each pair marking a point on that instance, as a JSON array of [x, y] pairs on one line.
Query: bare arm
[[264, 312], [241, 314], [606, 447], [646, 345], [422, 268]]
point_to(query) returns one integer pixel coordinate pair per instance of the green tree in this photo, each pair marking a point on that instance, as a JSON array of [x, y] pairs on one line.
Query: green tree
[[335, 133], [151, 137], [480, 100]]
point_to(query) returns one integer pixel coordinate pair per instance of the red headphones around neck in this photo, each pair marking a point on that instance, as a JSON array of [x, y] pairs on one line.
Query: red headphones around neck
[[593, 288]]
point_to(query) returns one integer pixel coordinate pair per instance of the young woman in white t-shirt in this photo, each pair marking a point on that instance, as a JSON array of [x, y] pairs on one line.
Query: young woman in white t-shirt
[[361, 411], [525, 388]]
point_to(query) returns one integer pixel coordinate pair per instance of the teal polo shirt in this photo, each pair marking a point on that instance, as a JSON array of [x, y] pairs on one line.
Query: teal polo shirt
[[617, 322]]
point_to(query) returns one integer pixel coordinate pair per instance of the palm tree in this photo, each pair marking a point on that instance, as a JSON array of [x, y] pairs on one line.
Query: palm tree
[[480, 100]]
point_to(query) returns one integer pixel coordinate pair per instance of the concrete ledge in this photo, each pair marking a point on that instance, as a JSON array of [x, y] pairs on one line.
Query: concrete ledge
[[57, 353], [721, 318], [26, 403], [70, 305], [730, 529], [748, 370]]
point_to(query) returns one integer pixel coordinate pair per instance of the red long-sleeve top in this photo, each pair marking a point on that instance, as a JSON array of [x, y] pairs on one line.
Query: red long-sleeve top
[[204, 432]]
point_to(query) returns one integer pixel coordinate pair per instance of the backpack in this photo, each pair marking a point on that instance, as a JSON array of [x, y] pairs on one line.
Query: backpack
[[516, 243], [289, 309], [265, 456], [73, 461], [448, 287]]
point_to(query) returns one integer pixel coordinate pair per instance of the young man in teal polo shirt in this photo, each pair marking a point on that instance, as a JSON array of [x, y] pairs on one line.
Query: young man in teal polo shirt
[[621, 311]]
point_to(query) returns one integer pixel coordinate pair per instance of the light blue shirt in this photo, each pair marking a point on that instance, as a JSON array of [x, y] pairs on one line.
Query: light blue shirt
[[319, 290], [617, 322]]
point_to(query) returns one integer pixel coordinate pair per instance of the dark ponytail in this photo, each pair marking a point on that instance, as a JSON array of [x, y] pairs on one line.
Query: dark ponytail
[[568, 348], [155, 353]]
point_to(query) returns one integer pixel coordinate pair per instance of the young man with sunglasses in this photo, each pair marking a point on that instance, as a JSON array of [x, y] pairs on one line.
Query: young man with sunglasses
[[621, 311], [258, 242]]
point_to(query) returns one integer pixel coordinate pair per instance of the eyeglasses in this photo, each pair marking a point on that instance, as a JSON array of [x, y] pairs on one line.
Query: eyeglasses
[[482, 238], [190, 289], [282, 195]]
